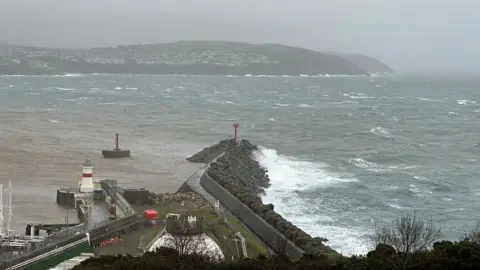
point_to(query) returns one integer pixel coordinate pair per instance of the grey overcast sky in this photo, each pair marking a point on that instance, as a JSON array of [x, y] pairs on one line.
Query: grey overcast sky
[[406, 34]]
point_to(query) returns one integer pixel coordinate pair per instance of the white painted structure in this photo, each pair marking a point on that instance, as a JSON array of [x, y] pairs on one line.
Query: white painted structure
[[176, 216], [71, 263], [85, 185], [217, 207], [200, 244], [244, 245]]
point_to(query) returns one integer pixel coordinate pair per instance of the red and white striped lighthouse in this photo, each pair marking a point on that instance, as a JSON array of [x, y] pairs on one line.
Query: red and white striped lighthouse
[[86, 182]]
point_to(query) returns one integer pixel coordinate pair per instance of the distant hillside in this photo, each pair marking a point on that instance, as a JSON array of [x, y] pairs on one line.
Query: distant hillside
[[367, 63], [183, 57]]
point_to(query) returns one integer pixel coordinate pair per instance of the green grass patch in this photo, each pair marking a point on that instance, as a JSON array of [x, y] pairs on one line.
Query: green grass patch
[[222, 235], [150, 234], [254, 246]]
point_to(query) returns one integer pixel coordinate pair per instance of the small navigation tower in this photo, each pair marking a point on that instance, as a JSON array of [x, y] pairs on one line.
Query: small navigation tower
[[116, 152]]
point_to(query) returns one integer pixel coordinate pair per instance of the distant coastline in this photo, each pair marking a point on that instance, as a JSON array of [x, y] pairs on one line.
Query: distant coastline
[[186, 58]]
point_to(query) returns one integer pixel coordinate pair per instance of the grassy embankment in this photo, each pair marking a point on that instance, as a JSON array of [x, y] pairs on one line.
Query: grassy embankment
[[219, 231]]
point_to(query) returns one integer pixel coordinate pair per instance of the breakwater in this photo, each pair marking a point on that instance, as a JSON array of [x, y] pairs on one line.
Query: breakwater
[[210, 153], [66, 197], [238, 181]]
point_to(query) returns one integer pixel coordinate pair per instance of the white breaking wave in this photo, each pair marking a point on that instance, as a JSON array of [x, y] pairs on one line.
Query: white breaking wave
[[221, 101], [58, 75], [427, 99], [64, 88], [380, 131], [68, 75], [374, 167], [466, 102], [288, 176], [310, 76], [303, 105]]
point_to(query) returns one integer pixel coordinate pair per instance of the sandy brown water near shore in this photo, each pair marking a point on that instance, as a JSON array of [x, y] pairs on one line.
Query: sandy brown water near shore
[[38, 158]]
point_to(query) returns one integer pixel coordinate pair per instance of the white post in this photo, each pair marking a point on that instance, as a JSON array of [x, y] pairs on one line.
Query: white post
[[242, 241], [32, 231], [217, 206]]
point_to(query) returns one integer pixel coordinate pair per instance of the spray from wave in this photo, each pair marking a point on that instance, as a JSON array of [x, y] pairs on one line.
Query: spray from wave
[[290, 179]]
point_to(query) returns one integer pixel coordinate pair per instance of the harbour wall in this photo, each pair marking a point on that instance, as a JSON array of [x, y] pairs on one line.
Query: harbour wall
[[269, 235], [111, 190], [66, 197]]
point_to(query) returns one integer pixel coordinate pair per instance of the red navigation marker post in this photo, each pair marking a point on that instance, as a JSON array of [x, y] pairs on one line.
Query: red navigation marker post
[[235, 127]]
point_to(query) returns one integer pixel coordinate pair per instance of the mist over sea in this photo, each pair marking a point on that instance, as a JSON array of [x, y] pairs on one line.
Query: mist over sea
[[344, 153]]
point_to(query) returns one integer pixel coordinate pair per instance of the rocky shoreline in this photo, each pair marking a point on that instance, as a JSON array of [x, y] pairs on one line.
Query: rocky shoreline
[[239, 173]]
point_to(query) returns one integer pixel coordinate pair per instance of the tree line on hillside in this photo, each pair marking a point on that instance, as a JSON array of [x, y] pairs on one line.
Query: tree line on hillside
[[410, 243]]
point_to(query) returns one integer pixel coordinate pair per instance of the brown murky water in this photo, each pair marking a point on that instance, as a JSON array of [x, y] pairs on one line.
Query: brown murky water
[[44, 139]]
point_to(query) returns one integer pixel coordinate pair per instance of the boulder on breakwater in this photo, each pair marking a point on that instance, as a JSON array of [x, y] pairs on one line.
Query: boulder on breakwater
[[240, 174], [237, 167], [210, 153], [191, 199]]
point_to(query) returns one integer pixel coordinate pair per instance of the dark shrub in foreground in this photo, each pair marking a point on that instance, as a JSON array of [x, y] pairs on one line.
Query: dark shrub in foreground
[[444, 255]]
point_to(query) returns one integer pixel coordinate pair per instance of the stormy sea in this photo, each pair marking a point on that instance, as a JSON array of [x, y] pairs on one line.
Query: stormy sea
[[345, 153]]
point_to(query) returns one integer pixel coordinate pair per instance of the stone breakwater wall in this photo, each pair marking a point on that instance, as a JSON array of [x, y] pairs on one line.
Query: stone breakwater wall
[[210, 153], [238, 180], [264, 231]]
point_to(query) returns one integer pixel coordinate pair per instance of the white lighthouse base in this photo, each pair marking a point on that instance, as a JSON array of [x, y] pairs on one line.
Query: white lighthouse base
[[86, 185]]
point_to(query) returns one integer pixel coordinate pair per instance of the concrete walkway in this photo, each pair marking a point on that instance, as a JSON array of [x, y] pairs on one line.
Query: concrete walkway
[[194, 182]]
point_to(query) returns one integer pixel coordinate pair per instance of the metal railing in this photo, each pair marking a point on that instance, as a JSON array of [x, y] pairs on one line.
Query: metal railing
[[51, 240], [111, 189], [150, 244], [64, 237]]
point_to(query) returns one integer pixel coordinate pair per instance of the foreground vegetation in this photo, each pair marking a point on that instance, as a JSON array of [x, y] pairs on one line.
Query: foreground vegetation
[[410, 243]]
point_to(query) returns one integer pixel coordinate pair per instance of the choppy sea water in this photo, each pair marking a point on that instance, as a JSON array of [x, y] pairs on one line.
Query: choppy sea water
[[344, 153]]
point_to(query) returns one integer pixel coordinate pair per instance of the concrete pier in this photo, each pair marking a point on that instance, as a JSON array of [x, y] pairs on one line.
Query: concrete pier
[[137, 196], [66, 197]]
